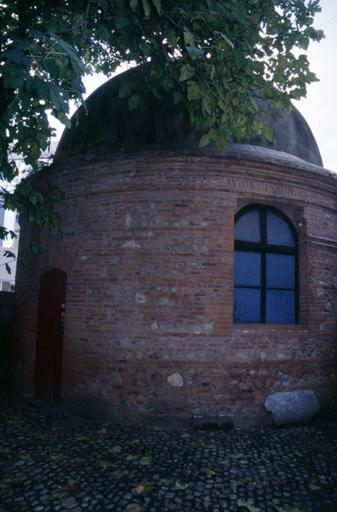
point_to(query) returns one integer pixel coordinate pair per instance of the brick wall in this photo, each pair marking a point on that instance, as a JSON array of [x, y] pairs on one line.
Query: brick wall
[[148, 250]]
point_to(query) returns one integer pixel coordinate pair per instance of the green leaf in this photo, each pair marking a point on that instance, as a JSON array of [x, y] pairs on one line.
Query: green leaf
[[36, 197], [188, 37], [36, 249], [195, 52], [157, 4], [177, 97], [122, 22], [63, 118], [42, 89], [70, 51], [124, 89], [228, 41], [14, 81], [193, 91], [204, 141], [224, 38], [186, 72], [206, 107], [135, 102], [146, 7], [17, 56], [267, 131], [147, 48], [133, 4]]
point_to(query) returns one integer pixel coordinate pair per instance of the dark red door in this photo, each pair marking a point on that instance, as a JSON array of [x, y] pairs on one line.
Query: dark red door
[[48, 370]]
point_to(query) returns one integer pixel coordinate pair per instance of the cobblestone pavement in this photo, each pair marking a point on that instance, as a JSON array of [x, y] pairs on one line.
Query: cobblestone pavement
[[51, 462]]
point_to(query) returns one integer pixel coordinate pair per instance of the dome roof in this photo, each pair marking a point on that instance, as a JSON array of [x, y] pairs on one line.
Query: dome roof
[[107, 123]]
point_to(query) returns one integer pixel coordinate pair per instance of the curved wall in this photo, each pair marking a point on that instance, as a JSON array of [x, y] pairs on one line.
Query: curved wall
[[148, 251]]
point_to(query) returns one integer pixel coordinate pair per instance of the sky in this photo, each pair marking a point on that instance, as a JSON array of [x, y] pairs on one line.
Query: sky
[[320, 106]]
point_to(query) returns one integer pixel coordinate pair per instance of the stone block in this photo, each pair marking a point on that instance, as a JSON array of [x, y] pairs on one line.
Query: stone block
[[212, 420], [292, 406]]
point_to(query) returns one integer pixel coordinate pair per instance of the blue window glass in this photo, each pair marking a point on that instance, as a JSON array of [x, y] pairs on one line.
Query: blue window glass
[[247, 269], [265, 266], [247, 228], [247, 305], [280, 307], [280, 271], [278, 231]]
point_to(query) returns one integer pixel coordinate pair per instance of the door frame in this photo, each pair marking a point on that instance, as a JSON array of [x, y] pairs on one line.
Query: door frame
[[50, 330]]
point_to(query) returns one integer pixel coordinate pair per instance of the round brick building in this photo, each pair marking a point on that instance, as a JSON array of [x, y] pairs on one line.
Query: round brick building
[[186, 281]]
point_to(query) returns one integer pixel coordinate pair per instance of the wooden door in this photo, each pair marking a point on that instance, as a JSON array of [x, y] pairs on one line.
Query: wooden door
[[49, 343]]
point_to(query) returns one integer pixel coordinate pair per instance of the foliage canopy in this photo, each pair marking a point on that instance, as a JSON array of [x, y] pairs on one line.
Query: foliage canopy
[[216, 57]]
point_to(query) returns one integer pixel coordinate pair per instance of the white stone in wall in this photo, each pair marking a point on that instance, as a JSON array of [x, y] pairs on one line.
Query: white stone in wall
[[176, 380], [128, 220], [131, 244], [141, 298]]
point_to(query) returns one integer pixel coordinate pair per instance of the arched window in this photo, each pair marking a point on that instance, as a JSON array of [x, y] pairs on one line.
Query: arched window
[[265, 267]]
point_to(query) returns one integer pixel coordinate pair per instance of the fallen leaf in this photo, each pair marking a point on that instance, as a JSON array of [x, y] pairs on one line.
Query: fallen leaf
[[72, 481], [104, 464], [115, 449], [134, 507], [208, 471], [237, 455], [165, 481], [138, 490], [241, 481], [180, 486], [278, 509], [249, 504], [69, 502], [59, 494], [145, 461], [44, 437], [116, 475], [9, 491], [185, 435]]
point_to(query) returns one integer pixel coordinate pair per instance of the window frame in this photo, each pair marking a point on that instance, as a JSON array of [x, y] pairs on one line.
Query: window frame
[[263, 248]]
